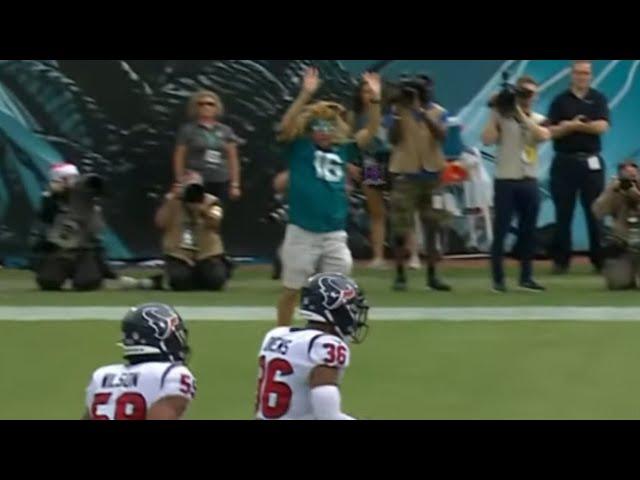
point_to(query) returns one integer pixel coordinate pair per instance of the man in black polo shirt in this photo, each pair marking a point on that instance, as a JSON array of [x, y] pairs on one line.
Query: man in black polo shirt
[[578, 118]]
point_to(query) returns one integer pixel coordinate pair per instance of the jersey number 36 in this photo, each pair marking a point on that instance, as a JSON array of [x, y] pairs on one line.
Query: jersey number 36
[[274, 397]]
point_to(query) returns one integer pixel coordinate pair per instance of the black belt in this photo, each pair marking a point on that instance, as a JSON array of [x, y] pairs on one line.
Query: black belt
[[415, 176], [580, 155]]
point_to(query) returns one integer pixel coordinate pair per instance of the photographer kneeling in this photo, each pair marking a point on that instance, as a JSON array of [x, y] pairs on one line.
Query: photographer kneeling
[[621, 201], [190, 220], [72, 220]]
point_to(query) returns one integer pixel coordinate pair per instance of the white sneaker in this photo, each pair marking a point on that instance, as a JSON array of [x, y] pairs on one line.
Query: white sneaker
[[415, 263], [378, 264], [128, 283]]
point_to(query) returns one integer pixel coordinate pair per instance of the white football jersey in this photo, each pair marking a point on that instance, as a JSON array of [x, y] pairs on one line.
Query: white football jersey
[[127, 392], [286, 359]]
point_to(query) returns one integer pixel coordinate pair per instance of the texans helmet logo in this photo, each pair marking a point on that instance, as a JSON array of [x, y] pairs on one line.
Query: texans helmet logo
[[161, 321], [336, 295]]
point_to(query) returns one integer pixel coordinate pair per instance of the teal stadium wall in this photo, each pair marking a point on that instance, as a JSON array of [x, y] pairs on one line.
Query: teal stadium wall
[[118, 118]]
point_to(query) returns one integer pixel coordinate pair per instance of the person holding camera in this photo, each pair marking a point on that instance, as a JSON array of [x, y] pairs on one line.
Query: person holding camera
[[621, 252], [418, 129], [190, 221], [578, 118], [517, 131], [320, 148], [71, 221], [208, 147]]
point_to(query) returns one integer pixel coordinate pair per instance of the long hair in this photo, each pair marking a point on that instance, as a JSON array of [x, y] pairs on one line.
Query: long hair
[[331, 111], [358, 104], [192, 106]]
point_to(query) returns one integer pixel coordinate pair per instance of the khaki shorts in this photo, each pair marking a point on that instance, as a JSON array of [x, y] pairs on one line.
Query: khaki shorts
[[409, 196], [305, 254]]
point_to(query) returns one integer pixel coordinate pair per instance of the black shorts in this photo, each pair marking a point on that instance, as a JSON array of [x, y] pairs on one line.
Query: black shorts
[[219, 190], [375, 172]]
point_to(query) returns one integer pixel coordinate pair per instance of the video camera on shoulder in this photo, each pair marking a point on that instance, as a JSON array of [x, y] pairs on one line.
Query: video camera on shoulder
[[410, 89], [506, 101]]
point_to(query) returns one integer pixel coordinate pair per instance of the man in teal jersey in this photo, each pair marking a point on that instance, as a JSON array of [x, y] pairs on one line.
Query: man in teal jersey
[[320, 151]]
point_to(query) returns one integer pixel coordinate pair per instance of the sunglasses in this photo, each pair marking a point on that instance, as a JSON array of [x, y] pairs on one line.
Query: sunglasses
[[527, 94], [207, 104], [323, 129]]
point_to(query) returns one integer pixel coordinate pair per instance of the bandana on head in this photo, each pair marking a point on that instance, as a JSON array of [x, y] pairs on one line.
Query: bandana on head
[[61, 171]]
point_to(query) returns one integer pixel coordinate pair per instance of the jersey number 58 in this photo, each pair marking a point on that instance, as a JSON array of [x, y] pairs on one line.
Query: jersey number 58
[[128, 406]]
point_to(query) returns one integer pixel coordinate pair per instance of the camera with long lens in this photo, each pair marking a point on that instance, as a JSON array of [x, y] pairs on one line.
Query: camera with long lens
[[278, 212], [93, 184], [627, 180], [194, 193], [88, 189], [506, 101]]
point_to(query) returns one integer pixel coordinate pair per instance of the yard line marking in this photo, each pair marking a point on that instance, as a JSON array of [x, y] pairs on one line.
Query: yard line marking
[[268, 314]]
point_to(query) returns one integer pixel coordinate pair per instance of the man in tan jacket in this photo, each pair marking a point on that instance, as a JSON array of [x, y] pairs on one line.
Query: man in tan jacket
[[190, 221], [621, 201], [418, 128]]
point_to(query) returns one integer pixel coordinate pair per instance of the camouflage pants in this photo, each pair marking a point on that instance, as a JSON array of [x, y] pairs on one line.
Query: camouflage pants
[[621, 273], [408, 196]]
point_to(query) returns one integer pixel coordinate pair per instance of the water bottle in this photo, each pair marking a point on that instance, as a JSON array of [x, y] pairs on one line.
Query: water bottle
[[453, 146]]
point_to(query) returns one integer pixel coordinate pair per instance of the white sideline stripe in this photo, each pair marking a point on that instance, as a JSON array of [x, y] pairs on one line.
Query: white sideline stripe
[[239, 314]]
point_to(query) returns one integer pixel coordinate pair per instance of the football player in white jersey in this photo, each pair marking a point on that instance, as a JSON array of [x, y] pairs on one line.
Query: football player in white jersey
[[154, 383], [301, 368]]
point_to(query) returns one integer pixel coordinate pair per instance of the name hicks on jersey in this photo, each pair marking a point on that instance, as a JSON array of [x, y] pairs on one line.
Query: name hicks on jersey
[[126, 380], [277, 345]]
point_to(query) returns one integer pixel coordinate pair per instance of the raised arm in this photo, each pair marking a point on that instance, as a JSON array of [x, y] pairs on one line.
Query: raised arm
[[310, 85], [365, 136]]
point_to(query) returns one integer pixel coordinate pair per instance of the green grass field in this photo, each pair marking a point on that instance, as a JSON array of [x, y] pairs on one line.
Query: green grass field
[[405, 370]]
